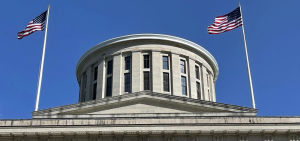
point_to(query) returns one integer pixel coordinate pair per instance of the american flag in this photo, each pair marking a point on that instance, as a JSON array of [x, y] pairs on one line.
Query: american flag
[[226, 22], [36, 24]]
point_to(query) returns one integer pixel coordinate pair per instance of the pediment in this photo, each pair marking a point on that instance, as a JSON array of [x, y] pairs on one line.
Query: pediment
[[144, 103]]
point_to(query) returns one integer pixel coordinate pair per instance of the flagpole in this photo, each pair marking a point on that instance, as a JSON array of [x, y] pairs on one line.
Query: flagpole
[[248, 66], [41, 66]]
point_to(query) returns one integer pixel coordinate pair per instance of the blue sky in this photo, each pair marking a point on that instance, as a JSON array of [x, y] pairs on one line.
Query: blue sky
[[271, 28]]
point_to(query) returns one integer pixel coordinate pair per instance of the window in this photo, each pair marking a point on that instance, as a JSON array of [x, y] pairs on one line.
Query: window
[[165, 63], [183, 85], [84, 88], [182, 66], [94, 91], [208, 95], [166, 82], [127, 63], [127, 82], [197, 72], [146, 61], [198, 90], [109, 67], [207, 80], [95, 73], [146, 80], [109, 86]]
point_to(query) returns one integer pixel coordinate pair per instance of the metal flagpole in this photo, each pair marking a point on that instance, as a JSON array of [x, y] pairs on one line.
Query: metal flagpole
[[248, 66], [42, 65]]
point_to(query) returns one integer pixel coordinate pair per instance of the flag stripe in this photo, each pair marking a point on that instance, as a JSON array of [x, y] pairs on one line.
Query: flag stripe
[[226, 22]]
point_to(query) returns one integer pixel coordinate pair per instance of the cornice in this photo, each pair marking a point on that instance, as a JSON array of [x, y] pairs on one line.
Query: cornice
[[162, 37], [144, 94], [150, 132]]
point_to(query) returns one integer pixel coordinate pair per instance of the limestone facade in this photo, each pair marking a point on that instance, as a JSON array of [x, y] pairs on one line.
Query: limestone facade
[[150, 109], [159, 63]]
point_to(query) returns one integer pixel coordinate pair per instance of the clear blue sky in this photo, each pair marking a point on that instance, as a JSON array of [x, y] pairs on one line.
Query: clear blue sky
[[271, 28]]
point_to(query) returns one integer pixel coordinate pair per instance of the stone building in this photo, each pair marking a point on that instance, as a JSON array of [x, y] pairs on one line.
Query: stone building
[[149, 87]]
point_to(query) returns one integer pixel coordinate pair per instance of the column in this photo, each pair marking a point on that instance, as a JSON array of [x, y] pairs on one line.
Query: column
[[80, 88], [88, 84], [213, 91], [192, 78], [204, 83], [157, 81], [136, 71], [117, 71], [100, 79], [175, 71]]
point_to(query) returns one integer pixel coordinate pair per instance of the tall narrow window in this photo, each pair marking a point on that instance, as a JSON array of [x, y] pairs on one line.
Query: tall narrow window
[[95, 73], [183, 85], [165, 63], [127, 82], [109, 67], [84, 89], [208, 95], [146, 80], [166, 82], [182, 66], [198, 90], [127, 63], [94, 91], [197, 72], [207, 80], [146, 61], [109, 86]]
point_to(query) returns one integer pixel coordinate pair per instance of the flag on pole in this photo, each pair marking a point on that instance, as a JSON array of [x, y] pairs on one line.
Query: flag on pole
[[36, 24], [226, 22]]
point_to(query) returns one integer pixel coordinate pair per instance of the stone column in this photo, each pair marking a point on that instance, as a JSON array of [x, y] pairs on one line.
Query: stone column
[[100, 79], [80, 88], [213, 88], [157, 80], [204, 83], [136, 71], [117, 71], [175, 71], [192, 78], [88, 84]]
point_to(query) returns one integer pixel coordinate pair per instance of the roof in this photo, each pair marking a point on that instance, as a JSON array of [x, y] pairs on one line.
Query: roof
[[172, 105], [149, 36]]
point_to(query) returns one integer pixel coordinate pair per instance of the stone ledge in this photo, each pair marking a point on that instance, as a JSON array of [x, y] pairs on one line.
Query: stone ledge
[[153, 132], [144, 94], [249, 121]]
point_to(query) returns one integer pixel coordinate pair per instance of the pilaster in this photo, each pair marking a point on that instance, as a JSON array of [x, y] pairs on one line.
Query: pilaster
[[157, 71], [136, 71], [212, 88], [117, 71], [100, 79], [204, 83], [175, 74], [192, 78], [88, 84]]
